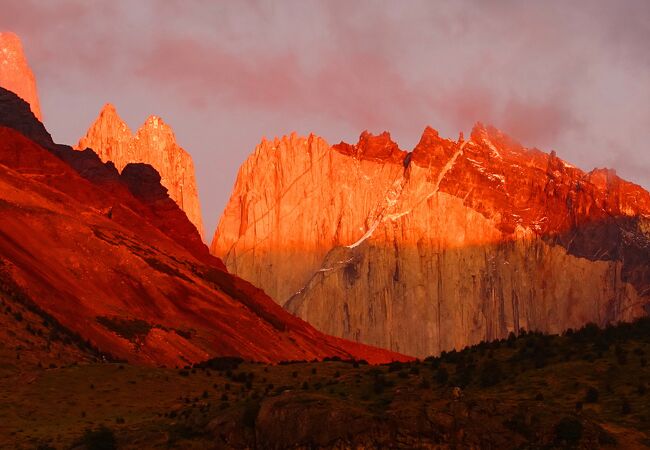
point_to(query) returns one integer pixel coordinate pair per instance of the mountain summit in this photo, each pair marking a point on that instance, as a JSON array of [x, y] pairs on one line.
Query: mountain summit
[[453, 243], [154, 143], [15, 73], [110, 260]]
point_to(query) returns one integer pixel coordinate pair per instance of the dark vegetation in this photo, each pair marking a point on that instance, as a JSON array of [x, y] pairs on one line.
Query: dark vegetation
[[13, 298], [101, 438], [135, 330], [130, 329], [585, 389]]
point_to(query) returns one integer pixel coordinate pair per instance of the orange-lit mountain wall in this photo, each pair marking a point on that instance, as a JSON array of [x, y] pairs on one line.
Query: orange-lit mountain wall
[[114, 260], [15, 73], [154, 143], [448, 245]]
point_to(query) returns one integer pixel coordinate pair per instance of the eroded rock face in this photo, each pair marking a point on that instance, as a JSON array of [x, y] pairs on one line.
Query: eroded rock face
[[116, 263], [15, 73], [155, 144], [445, 246]]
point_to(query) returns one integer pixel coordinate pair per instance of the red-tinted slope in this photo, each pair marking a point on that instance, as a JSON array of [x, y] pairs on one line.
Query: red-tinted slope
[[101, 255]]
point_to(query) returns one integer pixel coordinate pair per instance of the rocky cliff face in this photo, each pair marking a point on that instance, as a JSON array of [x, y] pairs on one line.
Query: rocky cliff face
[[154, 143], [447, 245], [15, 73], [112, 261]]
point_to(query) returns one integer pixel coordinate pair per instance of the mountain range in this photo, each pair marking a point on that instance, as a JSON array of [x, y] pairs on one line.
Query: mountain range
[[417, 252], [450, 244], [105, 262]]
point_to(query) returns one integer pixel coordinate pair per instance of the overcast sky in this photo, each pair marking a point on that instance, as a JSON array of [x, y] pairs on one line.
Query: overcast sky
[[573, 76]]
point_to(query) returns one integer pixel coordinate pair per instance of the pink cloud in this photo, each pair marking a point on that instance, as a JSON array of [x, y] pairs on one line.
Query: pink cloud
[[554, 74]]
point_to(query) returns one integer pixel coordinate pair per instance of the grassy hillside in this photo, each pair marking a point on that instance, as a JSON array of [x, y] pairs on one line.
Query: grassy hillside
[[585, 389]]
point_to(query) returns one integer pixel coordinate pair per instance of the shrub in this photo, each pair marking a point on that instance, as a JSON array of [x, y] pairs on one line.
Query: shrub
[[101, 438], [604, 438], [130, 329], [432, 361], [518, 424], [442, 376], [625, 407], [183, 430], [379, 384], [592, 395], [251, 409], [491, 373], [395, 366], [568, 430]]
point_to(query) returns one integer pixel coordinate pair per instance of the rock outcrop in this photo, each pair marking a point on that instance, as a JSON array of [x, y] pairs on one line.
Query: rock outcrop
[[155, 144], [116, 265], [15, 73], [434, 249]]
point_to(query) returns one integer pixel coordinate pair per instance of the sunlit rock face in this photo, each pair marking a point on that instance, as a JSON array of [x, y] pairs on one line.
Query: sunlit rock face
[[15, 73], [445, 246], [116, 263], [155, 144]]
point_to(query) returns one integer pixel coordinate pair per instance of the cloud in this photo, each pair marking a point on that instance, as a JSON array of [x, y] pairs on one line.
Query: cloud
[[346, 85], [572, 76]]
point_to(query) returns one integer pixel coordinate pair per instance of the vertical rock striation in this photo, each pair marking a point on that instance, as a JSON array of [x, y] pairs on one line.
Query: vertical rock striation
[[15, 73], [155, 144], [445, 246], [111, 262]]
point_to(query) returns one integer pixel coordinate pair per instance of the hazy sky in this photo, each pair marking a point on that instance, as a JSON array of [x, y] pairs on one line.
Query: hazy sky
[[573, 76]]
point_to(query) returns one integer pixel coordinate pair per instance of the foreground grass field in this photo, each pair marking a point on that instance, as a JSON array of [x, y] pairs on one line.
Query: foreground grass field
[[586, 389]]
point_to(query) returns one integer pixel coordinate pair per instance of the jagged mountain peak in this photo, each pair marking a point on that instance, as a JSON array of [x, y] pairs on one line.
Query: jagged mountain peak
[[371, 243], [157, 123], [108, 109], [108, 124], [15, 72], [154, 143], [432, 149], [97, 255], [158, 133], [290, 141], [373, 147]]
